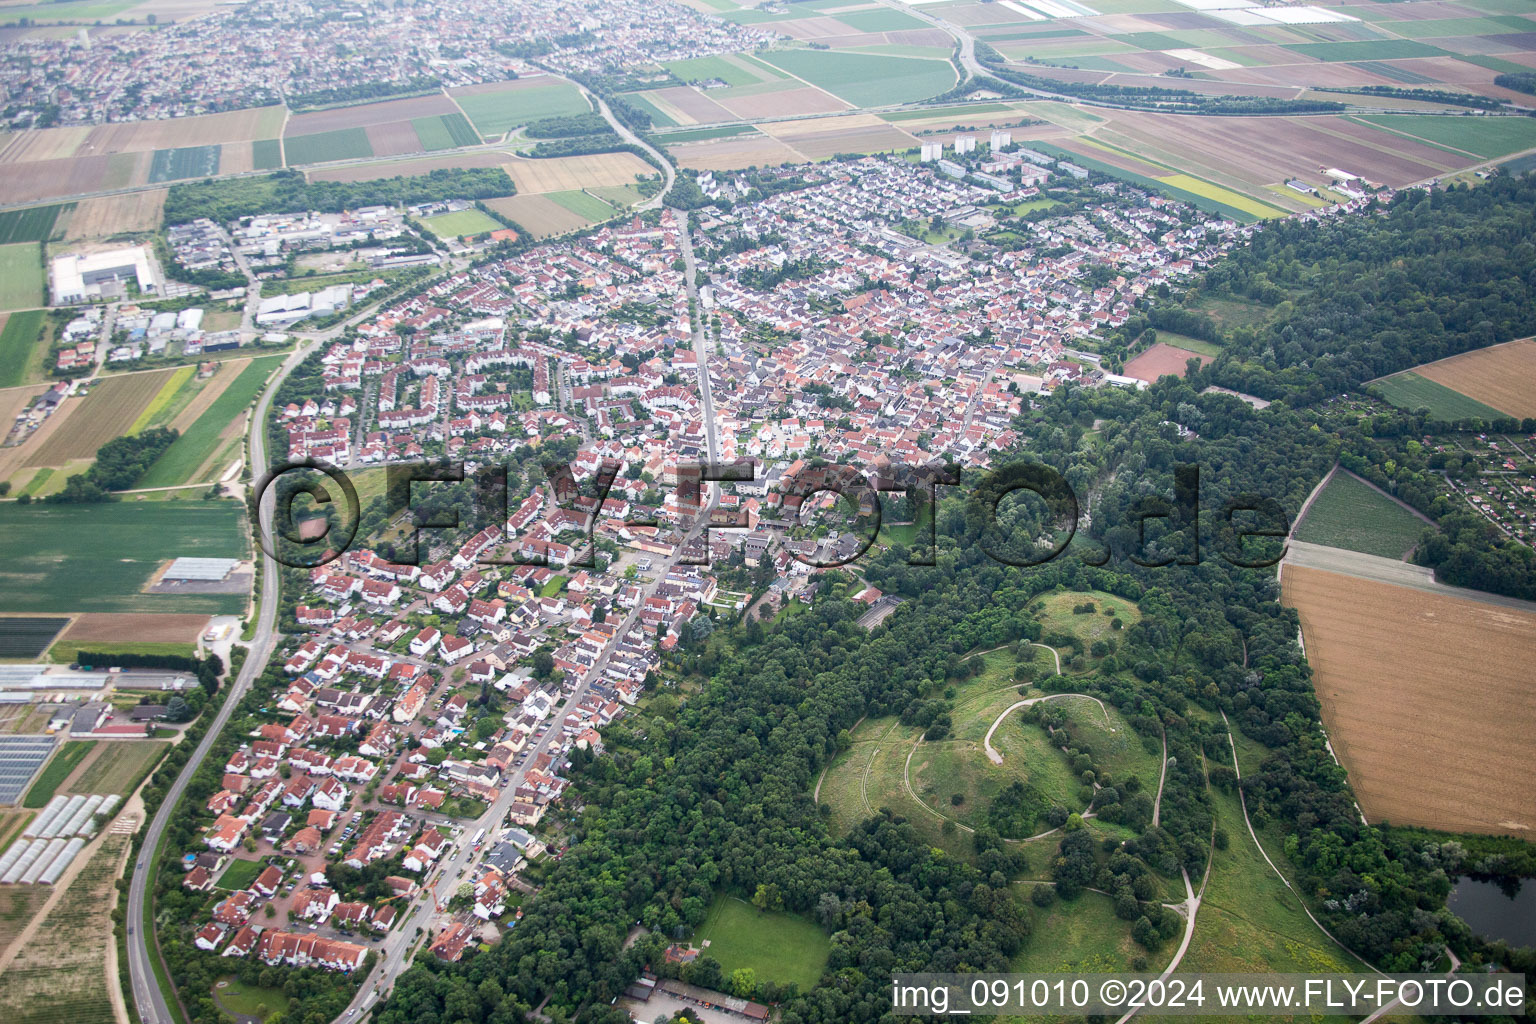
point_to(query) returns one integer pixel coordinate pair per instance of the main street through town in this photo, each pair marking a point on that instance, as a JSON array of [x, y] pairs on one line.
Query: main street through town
[[395, 954]]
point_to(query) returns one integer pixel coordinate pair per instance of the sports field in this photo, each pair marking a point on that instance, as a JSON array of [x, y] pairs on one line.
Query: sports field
[[1408, 390], [97, 558], [184, 162], [218, 423], [21, 275], [462, 224], [1351, 514], [866, 79], [17, 339], [107, 412], [1162, 359], [776, 946], [496, 111], [1426, 697], [341, 144]]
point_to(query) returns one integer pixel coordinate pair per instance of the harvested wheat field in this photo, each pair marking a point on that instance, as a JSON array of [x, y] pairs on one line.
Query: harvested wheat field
[[1503, 376], [539, 215], [124, 627], [733, 153], [107, 412], [105, 216], [571, 173], [201, 130], [1161, 359], [1427, 700]]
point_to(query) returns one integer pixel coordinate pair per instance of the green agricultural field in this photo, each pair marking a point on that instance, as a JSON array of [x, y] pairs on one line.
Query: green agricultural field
[[239, 874], [1367, 49], [267, 154], [581, 204], [880, 20], [1407, 390], [496, 113], [341, 144], [702, 134], [865, 79], [779, 947], [463, 223], [185, 162], [17, 343], [82, 12], [34, 224], [659, 119], [1481, 136], [445, 131], [702, 69], [202, 439], [1351, 514], [98, 558], [21, 275], [119, 768], [65, 760], [156, 411]]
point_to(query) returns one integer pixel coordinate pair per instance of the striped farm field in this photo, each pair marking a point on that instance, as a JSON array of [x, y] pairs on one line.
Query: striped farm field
[[1408, 390], [1225, 196], [1501, 376], [445, 131], [162, 399], [221, 421], [34, 224], [341, 144], [109, 411]]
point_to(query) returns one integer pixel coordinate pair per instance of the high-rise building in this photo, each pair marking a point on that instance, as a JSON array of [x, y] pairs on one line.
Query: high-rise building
[[1001, 140], [965, 143], [932, 151]]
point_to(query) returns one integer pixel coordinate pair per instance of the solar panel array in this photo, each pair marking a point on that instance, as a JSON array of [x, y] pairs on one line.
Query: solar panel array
[[20, 758]]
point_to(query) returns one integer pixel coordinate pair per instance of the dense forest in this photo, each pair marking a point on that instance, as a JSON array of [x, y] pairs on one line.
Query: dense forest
[[715, 796], [289, 192]]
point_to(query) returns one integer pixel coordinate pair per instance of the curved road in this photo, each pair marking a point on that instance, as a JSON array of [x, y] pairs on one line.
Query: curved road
[[147, 996]]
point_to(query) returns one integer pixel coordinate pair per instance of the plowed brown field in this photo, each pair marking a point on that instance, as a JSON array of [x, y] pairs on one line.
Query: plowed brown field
[[1427, 700], [1503, 376]]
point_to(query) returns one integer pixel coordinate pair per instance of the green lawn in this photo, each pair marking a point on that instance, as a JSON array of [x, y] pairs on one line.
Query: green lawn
[[237, 997], [64, 761], [341, 144], [1081, 936], [21, 275], [1197, 345], [865, 79], [462, 223], [581, 204], [1057, 616], [496, 113], [1410, 391], [239, 874], [189, 451], [185, 162], [445, 131], [780, 947], [96, 558], [1351, 515], [17, 340], [1481, 136]]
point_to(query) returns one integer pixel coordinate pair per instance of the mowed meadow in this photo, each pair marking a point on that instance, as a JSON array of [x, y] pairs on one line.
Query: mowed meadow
[[1426, 697]]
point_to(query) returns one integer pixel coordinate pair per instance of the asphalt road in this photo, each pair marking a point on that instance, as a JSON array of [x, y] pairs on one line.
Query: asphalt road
[[147, 996], [394, 954]]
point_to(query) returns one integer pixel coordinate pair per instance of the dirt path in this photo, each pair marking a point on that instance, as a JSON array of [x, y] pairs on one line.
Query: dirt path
[[997, 758], [1157, 803], [816, 795]]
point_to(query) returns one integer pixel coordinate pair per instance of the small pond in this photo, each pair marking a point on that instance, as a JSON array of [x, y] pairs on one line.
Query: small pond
[[1494, 913]]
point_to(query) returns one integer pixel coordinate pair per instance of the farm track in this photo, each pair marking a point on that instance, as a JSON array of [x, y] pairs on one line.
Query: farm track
[[1391, 572]]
